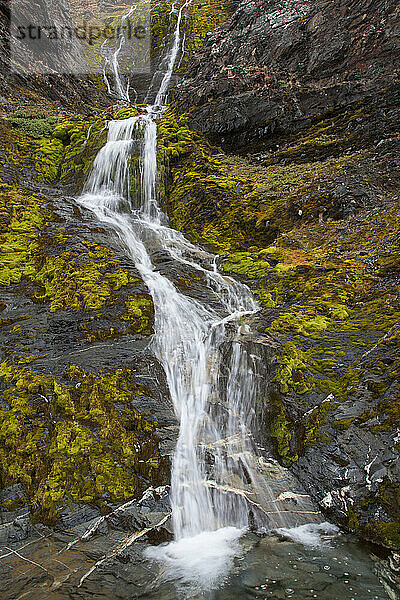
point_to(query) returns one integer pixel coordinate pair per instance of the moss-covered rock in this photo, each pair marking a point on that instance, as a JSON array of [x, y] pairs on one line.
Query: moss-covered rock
[[281, 429], [289, 222], [34, 248], [139, 313], [77, 438], [34, 126], [230, 203], [69, 435]]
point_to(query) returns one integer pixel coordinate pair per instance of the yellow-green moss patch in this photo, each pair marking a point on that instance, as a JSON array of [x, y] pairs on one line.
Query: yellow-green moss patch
[[77, 438]]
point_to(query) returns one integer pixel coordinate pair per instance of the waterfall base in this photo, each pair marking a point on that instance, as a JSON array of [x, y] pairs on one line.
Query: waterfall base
[[200, 563]]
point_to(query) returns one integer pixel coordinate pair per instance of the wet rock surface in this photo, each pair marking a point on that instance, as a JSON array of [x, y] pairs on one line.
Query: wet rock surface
[[106, 564], [44, 92], [56, 562]]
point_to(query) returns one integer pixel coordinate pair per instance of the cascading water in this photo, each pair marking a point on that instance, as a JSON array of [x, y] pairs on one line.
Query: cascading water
[[213, 470], [116, 52]]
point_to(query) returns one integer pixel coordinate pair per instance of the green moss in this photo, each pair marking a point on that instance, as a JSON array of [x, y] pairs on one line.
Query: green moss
[[204, 17], [34, 126], [95, 335], [313, 423], [296, 369], [27, 360], [161, 21], [50, 156], [63, 131], [67, 280], [331, 133], [63, 441], [309, 371], [388, 497], [352, 519], [21, 219], [199, 184], [388, 263], [201, 17], [387, 534], [300, 323], [280, 429], [329, 286], [14, 503], [174, 136], [339, 312], [126, 113], [55, 147], [391, 408], [228, 202], [139, 313], [70, 285], [81, 140], [290, 372], [245, 263], [267, 298]]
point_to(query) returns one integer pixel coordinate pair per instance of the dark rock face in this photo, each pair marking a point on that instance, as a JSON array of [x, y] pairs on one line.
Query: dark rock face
[[273, 65], [45, 91]]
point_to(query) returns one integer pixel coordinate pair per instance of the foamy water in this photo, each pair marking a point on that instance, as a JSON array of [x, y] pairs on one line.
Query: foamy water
[[311, 534], [202, 562]]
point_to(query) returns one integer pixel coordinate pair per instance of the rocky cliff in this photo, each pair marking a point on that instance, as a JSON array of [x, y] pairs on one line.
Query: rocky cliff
[[275, 65], [302, 201], [281, 155]]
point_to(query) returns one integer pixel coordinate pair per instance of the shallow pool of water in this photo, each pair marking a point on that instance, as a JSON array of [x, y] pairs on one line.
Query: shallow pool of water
[[310, 562], [278, 567]]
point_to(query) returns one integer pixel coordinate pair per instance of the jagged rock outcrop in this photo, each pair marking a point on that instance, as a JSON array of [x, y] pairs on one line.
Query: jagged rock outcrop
[[274, 65]]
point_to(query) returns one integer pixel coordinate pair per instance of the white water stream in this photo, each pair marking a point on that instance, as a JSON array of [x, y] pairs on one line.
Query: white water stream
[[215, 485]]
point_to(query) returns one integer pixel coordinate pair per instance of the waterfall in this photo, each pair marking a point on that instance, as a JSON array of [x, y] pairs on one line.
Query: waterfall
[[214, 468], [171, 57], [111, 57], [110, 174]]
